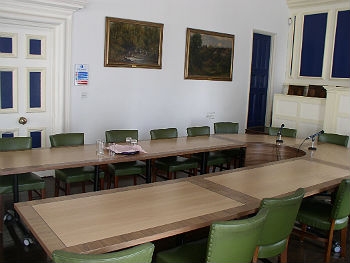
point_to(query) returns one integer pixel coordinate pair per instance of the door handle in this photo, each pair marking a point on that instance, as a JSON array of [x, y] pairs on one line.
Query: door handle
[[22, 120]]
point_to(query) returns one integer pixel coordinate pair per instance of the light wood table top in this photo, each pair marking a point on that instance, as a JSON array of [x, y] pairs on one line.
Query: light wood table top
[[109, 220], [42, 159]]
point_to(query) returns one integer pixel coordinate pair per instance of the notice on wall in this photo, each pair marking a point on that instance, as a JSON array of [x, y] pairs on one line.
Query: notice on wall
[[81, 74]]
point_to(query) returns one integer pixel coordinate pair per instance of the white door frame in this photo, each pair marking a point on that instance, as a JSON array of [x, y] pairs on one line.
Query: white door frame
[[57, 16]]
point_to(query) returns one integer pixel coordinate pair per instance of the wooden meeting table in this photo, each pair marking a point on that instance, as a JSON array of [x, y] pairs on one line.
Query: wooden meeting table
[[34, 160], [109, 220]]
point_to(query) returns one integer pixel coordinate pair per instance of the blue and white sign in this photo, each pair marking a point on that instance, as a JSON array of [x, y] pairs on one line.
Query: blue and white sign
[[81, 75]]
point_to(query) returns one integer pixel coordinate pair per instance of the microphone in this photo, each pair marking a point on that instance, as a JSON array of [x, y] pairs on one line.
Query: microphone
[[312, 137], [279, 134]]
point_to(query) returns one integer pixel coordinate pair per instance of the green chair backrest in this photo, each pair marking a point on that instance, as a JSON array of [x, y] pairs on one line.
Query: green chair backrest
[[118, 136], [142, 253], [287, 132], [236, 240], [66, 139], [167, 133], [15, 143], [226, 127], [198, 131], [334, 138], [341, 204], [280, 218]]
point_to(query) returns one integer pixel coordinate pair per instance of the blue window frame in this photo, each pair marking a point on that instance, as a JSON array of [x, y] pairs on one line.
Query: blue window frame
[[314, 33], [341, 54]]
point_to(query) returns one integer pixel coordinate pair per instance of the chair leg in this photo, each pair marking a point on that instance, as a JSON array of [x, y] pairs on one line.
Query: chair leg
[[102, 184], [284, 254], [1, 214], [135, 180], [43, 193], [343, 234], [116, 181], [57, 186], [329, 242], [67, 192], [83, 187], [256, 253], [30, 195]]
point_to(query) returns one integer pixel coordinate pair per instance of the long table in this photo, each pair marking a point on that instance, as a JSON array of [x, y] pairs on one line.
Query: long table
[[109, 220], [34, 160]]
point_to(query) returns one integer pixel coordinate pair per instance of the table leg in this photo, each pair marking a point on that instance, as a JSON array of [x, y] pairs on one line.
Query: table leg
[[242, 156], [15, 188], [204, 162], [97, 178], [148, 172]]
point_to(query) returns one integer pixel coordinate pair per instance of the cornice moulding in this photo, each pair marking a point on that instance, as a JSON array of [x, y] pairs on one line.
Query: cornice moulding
[[311, 3]]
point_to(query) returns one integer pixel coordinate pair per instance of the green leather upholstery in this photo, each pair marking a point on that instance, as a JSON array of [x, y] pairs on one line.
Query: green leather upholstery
[[230, 241], [27, 181], [279, 224], [215, 159], [226, 127], [138, 254], [287, 132], [334, 138], [233, 155], [124, 169], [320, 214], [172, 164], [72, 175]]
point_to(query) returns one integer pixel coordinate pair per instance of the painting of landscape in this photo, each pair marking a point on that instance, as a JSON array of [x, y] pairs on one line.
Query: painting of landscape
[[209, 55], [130, 43]]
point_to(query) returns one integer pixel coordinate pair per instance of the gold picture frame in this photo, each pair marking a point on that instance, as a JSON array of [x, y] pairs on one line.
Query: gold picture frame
[[131, 43], [209, 55]]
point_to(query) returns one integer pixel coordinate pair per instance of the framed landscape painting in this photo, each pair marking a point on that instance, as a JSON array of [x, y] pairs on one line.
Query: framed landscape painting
[[209, 55], [131, 43]]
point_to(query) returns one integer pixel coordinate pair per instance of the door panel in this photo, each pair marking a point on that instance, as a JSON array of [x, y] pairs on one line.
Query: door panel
[[259, 80], [25, 83]]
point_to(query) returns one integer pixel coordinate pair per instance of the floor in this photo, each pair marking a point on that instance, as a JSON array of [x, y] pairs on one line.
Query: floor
[[12, 248]]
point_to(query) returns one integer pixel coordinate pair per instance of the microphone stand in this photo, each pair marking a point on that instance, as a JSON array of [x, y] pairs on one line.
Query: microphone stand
[[279, 140], [312, 147]]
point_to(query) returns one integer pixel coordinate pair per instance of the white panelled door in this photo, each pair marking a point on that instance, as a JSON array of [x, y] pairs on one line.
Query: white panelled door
[[26, 82]]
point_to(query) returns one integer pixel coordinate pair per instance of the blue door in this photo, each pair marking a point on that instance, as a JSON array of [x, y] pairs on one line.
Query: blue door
[[259, 80]]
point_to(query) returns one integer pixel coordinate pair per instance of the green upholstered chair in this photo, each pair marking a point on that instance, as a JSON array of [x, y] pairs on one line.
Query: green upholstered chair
[[116, 170], [171, 165], [72, 175], [229, 241], [334, 138], [278, 226], [138, 254], [326, 217], [233, 155], [215, 159], [287, 132], [26, 182]]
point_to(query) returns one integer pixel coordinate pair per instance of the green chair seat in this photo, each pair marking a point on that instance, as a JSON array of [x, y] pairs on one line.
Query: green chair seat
[[76, 175], [26, 182], [230, 241], [215, 159], [136, 169], [278, 226], [233, 155], [287, 132], [329, 217], [334, 138], [138, 254], [68, 176], [173, 164]]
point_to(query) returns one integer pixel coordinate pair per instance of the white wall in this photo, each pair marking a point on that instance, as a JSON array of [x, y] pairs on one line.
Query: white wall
[[143, 99]]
